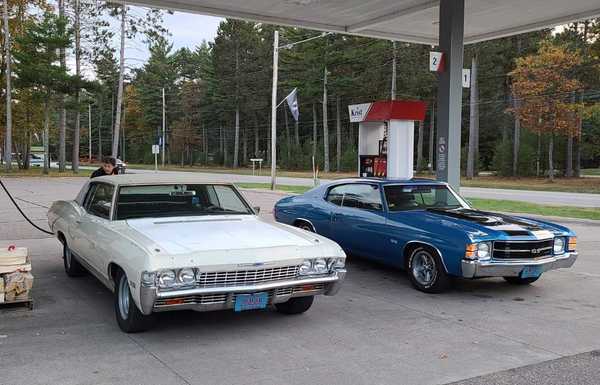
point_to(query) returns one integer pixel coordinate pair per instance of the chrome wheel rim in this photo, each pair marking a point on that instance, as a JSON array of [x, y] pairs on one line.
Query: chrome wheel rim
[[424, 269], [124, 297], [306, 227], [68, 256]]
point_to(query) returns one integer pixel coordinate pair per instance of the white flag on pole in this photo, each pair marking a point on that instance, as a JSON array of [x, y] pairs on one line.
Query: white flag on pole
[[292, 101]]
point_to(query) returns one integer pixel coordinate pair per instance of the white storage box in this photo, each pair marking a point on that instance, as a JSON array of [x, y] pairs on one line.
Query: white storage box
[[12, 257]]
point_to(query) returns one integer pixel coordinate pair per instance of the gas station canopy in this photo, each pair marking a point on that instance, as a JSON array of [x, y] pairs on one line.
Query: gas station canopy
[[414, 21]]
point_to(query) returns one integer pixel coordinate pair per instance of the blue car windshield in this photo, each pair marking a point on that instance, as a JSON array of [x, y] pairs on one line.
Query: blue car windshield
[[406, 197]]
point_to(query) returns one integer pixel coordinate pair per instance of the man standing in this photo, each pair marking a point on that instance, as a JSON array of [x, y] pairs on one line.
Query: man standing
[[109, 167]]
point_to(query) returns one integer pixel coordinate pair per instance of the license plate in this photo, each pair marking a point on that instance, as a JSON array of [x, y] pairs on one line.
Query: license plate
[[531, 272], [251, 301]]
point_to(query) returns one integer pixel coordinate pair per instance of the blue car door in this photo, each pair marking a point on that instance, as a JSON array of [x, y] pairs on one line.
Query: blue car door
[[358, 220]]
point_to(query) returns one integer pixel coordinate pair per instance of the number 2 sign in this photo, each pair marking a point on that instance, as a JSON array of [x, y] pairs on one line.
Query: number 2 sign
[[436, 61]]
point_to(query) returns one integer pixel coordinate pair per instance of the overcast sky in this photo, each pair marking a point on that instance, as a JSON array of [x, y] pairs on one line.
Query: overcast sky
[[187, 30]]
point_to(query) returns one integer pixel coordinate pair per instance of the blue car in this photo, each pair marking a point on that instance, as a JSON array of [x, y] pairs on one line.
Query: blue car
[[425, 227]]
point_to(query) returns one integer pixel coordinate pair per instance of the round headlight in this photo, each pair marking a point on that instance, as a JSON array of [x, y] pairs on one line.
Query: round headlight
[[186, 276], [337, 263], [166, 278], [320, 266], [483, 250], [559, 245], [305, 267], [148, 278]]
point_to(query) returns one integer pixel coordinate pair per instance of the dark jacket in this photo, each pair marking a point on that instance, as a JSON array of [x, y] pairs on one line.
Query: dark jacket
[[100, 172]]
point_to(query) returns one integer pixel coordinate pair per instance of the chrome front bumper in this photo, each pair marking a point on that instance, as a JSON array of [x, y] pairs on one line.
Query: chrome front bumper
[[222, 298], [513, 268]]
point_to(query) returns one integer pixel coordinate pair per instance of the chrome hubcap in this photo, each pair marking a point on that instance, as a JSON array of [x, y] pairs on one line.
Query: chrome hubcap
[[306, 227], [424, 268], [124, 297]]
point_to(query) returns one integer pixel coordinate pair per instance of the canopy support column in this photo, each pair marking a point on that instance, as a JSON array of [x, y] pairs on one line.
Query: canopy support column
[[451, 29]]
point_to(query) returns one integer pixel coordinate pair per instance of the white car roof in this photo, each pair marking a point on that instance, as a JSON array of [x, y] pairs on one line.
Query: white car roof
[[157, 178]]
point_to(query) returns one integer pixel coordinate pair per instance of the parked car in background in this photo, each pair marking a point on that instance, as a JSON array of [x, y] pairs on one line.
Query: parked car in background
[[169, 243], [121, 166], [426, 228], [36, 160]]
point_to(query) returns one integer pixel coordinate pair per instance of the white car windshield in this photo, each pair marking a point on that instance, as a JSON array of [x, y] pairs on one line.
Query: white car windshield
[[174, 200]]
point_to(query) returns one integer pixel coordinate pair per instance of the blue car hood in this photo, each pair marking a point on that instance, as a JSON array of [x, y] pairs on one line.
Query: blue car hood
[[477, 224]]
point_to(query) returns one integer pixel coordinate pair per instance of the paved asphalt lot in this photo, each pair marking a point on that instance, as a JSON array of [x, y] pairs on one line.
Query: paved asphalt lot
[[378, 330]]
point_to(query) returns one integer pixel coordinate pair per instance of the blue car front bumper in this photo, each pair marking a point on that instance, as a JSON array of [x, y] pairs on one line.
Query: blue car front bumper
[[513, 268]]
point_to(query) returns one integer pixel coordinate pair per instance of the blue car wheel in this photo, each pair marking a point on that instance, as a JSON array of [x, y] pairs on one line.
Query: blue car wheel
[[426, 271]]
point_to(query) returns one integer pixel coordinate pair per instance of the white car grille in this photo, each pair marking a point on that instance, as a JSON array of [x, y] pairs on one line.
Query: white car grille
[[246, 277]]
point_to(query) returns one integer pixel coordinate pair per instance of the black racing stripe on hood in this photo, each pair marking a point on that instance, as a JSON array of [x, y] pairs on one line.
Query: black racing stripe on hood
[[485, 218]]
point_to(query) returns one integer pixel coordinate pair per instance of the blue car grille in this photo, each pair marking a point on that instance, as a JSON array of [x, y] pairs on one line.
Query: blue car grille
[[522, 249]]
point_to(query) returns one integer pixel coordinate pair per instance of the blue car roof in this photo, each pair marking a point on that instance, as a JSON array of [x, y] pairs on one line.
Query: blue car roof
[[385, 181]]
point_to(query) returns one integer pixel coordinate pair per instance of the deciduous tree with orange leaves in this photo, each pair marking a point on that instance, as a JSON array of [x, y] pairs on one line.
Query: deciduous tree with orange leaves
[[545, 84]]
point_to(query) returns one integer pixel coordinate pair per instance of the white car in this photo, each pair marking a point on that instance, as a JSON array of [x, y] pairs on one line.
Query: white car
[[170, 243]]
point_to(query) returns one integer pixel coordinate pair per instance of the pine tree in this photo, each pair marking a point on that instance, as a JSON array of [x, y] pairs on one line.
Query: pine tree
[[36, 67]]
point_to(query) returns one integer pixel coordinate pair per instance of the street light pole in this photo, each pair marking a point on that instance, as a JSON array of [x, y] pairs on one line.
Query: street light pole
[[274, 109], [163, 127], [90, 132], [274, 104], [7, 59]]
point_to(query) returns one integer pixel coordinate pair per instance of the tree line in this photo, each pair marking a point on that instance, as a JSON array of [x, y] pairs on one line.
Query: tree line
[[532, 108]]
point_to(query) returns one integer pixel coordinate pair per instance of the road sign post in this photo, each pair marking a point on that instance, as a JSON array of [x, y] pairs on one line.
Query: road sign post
[[155, 151]]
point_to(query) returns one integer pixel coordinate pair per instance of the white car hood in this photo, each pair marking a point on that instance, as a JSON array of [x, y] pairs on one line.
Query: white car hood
[[184, 235]]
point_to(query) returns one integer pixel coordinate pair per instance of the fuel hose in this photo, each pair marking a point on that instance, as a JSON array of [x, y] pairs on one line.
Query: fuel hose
[[21, 211]]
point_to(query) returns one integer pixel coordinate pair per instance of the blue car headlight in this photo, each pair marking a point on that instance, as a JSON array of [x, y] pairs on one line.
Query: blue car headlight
[[484, 250], [479, 251], [559, 245]]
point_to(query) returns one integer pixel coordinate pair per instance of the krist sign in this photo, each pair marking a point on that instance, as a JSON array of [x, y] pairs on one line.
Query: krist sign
[[358, 112]]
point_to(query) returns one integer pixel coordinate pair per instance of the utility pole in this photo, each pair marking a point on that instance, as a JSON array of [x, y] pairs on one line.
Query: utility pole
[[7, 56], [473, 121], [163, 127], [77, 130], [117, 126], [62, 114], [393, 70], [325, 125], [274, 109], [90, 132], [123, 132]]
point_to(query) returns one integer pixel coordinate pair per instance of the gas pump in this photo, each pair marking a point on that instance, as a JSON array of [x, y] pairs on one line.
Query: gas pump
[[386, 137]]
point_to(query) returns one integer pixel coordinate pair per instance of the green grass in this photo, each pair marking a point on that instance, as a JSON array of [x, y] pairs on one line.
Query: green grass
[[482, 204], [576, 185], [532, 208], [591, 171], [285, 188]]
